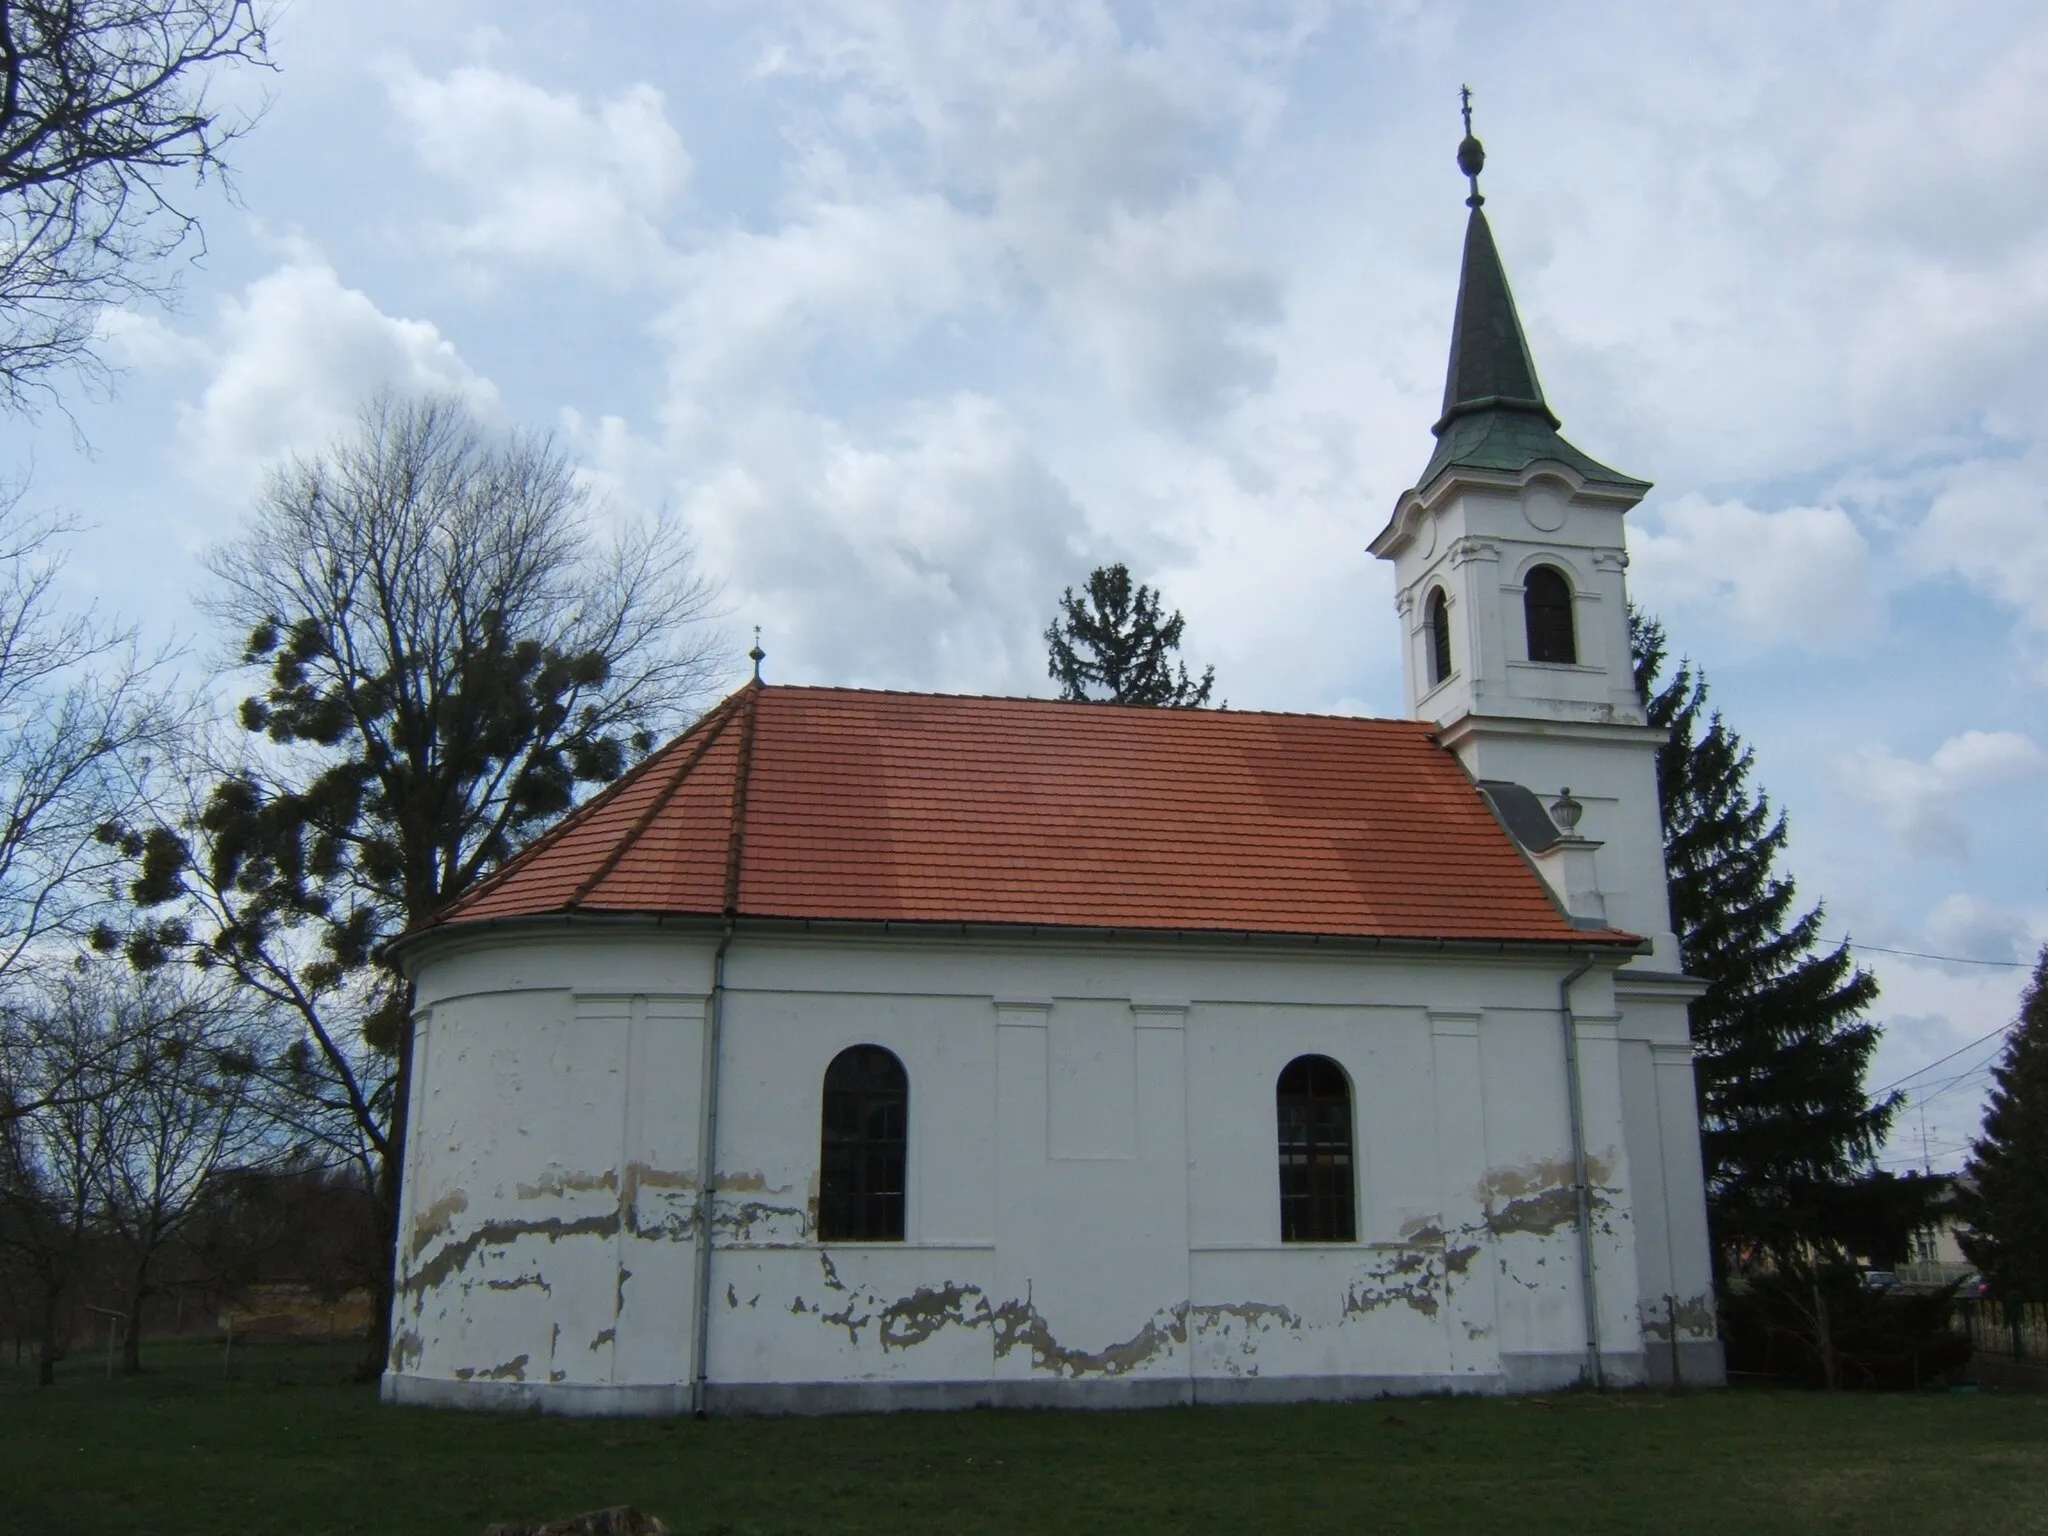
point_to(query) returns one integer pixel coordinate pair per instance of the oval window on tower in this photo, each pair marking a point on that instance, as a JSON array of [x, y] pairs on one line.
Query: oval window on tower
[[1547, 605]]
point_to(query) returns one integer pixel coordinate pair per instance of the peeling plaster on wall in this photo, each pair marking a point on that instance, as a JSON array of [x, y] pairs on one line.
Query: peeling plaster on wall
[[1245, 1323], [1415, 1277], [512, 1370], [673, 1225], [605, 1336], [669, 1210], [1019, 1322], [925, 1311], [406, 1349], [1540, 1199], [517, 1282], [558, 1182], [787, 1225], [1695, 1318], [436, 1219], [453, 1258], [910, 1320]]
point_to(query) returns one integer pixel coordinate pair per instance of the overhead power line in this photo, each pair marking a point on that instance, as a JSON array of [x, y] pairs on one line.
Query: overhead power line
[[1951, 1056], [1921, 954]]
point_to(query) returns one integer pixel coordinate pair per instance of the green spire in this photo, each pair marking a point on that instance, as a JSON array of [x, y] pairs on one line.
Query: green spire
[[1491, 369], [1494, 414]]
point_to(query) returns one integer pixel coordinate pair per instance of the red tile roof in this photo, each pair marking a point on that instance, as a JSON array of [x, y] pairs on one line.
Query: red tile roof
[[827, 803]]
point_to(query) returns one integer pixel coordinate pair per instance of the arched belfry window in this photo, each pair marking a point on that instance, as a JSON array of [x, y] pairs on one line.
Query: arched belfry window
[[867, 1119], [1547, 602], [1316, 1200], [1436, 620]]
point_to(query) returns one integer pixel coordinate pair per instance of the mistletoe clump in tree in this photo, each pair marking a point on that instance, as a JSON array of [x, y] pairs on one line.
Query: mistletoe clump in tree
[[1787, 1130], [1113, 644], [448, 653], [2008, 1205]]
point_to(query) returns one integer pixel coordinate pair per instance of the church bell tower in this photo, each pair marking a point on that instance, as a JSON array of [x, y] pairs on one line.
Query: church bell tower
[[1510, 562]]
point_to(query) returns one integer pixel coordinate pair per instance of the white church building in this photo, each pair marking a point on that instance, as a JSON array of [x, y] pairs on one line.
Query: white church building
[[867, 1050]]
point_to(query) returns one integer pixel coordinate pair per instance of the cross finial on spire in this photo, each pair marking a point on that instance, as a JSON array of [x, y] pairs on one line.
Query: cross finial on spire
[[1471, 153], [757, 655]]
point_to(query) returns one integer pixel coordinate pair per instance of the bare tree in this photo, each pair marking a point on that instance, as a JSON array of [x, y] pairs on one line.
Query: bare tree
[[48, 1158], [184, 1103], [101, 102], [455, 642], [80, 713]]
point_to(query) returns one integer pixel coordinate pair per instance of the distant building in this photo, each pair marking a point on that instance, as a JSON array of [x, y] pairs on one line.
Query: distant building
[[1048, 1053]]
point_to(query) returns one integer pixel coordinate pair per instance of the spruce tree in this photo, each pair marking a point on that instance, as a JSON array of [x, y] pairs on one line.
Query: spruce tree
[[1111, 645], [2008, 1208], [1782, 1045]]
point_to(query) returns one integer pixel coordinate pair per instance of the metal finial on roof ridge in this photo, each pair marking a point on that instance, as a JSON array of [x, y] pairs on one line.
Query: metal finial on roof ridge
[[757, 655], [1471, 153]]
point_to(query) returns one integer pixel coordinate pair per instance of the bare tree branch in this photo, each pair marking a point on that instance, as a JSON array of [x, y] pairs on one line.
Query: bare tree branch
[[101, 101]]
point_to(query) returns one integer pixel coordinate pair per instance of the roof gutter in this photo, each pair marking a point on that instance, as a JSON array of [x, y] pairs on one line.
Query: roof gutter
[[709, 923], [714, 1054]]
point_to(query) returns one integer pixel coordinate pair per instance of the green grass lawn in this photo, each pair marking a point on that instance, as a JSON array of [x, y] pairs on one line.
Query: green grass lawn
[[287, 1445]]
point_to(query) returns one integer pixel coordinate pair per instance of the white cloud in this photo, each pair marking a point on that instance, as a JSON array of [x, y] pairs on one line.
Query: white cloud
[[1759, 578], [1974, 929], [146, 342], [1080, 164], [1989, 525], [755, 310], [552, 180], [295, 357], [1918, 802], [920, 561]]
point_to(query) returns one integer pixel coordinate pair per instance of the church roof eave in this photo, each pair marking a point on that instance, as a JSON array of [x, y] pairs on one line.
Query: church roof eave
[[1433, 489]]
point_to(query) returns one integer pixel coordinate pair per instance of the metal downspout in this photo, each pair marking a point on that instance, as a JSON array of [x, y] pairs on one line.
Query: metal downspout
[[1580, 1184], [707, 1183], [748, 713]]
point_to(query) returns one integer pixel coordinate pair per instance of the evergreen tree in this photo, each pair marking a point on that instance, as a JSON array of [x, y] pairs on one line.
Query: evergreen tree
[[2009, 1163], [1110, 645], [1782, 1046]]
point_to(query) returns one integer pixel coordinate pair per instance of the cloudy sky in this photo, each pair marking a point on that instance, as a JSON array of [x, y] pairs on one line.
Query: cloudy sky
[[915, 312]]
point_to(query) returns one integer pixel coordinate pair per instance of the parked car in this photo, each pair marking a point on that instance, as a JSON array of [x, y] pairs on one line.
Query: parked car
[[1880, 1280], [1973, 1288]]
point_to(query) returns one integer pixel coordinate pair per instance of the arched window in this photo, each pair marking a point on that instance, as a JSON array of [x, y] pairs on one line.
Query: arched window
[[867, 1116], [1547, 603], [1436, 618], [1316, 1201]]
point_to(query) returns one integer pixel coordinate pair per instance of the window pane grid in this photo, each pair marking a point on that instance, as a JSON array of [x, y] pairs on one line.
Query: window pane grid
[[1547, 606], [1317, 1199], [863, 1153]]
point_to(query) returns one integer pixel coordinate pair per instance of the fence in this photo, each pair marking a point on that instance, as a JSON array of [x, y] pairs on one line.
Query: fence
[[1933, 1274], [1990, 1325]]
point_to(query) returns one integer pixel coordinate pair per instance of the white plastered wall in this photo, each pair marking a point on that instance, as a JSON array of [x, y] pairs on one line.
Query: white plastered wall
[[1092, 1209]]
